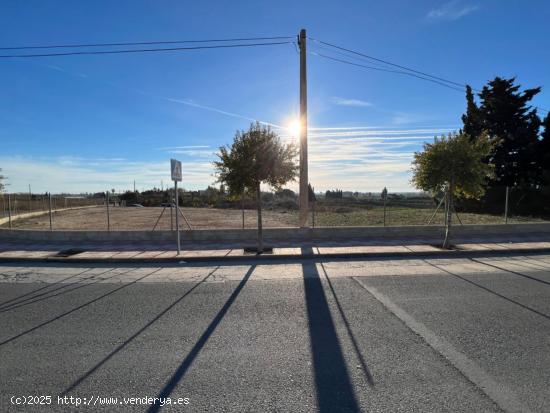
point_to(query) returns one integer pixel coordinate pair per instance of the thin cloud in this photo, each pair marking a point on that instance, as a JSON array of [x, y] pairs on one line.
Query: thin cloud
[[350, 102], [90, 175], [187, 102], [452, 10], [347, 158]]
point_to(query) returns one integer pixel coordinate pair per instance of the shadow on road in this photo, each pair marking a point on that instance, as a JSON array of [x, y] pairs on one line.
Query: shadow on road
[[168, 388], [87, 303], [490, 291], [332, 381], [91, 371], [18, 298], [351, 336], [510, 271], [47, 294]]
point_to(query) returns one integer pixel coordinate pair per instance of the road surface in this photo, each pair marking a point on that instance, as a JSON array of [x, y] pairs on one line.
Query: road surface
[[456, 335]]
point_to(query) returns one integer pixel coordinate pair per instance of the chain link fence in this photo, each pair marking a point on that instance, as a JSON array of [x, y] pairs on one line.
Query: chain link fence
[[202, 210]]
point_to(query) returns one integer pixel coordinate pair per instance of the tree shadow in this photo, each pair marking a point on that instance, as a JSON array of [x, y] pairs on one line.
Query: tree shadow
[[91, 371], [180, 372], [332, 381], [45, 323]]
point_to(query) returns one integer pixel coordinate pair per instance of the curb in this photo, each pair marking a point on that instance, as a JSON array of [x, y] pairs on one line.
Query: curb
[[288, 257]]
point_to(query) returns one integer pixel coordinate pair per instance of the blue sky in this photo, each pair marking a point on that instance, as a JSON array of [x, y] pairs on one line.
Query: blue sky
[[90, 123]]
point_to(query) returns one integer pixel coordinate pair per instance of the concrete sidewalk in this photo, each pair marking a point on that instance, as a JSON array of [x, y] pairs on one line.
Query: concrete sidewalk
[[163, 252]]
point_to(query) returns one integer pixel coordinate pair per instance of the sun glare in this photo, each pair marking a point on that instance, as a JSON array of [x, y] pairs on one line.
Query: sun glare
[[294, 128]]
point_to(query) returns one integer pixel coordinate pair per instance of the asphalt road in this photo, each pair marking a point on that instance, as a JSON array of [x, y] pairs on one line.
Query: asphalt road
[[454, 335]]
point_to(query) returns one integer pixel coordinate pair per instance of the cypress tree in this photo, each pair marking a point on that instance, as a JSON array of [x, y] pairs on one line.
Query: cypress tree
[[505, 114]]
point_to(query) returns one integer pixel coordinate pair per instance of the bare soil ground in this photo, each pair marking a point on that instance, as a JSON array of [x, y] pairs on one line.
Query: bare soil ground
[[122, 218]]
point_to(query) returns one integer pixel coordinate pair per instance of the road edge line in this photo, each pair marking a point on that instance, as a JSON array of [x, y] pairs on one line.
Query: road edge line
[[500, 394]]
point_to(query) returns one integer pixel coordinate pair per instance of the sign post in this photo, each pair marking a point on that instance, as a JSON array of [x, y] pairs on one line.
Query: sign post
[[175, 167]]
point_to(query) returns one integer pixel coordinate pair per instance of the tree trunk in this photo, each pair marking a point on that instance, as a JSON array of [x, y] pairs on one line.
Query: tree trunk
[[259, 203], [449, 216]]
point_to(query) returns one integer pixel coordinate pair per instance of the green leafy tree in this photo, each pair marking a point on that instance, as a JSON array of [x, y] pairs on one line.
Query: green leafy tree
[[256, 157], [504, 113], [453, 165]]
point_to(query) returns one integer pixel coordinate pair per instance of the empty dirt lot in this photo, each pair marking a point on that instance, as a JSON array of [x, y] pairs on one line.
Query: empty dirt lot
[[129, 218]]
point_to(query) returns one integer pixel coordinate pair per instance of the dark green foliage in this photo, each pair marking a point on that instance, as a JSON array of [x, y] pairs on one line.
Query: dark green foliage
[[544, 149], [256, 156], [454, 165], [335, 194], [504, 113]]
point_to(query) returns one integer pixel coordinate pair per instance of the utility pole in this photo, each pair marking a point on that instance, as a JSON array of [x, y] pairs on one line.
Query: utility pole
[[304, 192]]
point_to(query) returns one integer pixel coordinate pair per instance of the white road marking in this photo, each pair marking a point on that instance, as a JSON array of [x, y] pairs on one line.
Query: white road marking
[[503, 396]]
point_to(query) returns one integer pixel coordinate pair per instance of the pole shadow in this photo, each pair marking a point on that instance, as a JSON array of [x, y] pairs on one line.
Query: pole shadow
[[87, 303], [180, 372], [351, 336], [332, 381], [91, 371]]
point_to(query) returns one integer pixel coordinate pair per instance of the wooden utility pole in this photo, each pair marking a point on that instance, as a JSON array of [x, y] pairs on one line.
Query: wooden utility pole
[[304, 192]]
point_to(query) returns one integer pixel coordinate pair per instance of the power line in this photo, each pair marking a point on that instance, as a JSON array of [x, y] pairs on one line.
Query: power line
[[145, 43], [170, 49], [411, 72], [388, 70], [390, 63]]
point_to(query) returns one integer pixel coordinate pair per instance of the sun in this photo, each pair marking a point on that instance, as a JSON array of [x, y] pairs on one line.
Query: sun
[[294, 128]]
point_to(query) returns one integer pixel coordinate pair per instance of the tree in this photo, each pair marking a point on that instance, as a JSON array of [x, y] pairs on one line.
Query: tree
[[544, 151], [454, 165], [256, 157], [504, 113]]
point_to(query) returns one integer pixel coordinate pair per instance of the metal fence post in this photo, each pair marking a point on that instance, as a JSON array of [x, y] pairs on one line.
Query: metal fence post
[[9, 209], [108, 212], [384, 211], [50, 208], [172, 216], [506, 206], [177, 218], [242, 206]]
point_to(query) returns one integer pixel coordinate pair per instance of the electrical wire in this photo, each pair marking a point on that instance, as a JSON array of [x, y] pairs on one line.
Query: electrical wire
[[406, 70], [170, 49], [145, 43], [389, 63], [387, 70]]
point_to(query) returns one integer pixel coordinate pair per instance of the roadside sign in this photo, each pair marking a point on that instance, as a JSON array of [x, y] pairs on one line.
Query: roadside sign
[[175, 167]]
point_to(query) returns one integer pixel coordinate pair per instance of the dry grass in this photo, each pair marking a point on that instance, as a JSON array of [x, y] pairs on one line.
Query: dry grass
[[144, 219], [201, 218]]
